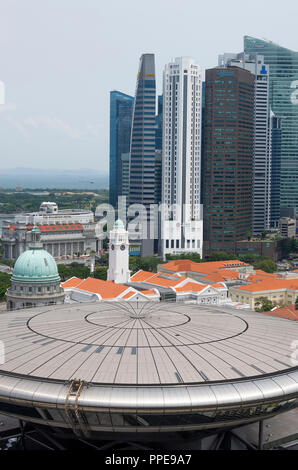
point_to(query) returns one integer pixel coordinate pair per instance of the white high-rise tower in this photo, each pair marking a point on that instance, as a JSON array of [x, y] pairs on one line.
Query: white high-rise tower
[[181, 224], [119, 254]]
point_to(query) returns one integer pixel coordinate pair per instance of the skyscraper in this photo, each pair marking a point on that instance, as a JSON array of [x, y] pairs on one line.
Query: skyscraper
[[181, 224], [121, 109], [262, 161], [228, 157], [283, 65], [275, 127], [142, 152]]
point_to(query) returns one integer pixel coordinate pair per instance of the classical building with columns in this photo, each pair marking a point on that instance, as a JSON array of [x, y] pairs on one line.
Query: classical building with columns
[[63, 232], [58, 239], [35, 281]]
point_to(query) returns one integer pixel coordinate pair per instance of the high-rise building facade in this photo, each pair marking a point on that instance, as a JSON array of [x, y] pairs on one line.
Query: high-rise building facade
[[283, 65], [228, 157], [276, 136], [262, 161], [121, 109], [181, 224], [142, 152]]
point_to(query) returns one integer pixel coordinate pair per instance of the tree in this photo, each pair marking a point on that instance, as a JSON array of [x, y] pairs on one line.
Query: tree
[[248, 258], [196, 257], [147, 263], [221, 256], [73, 270], [263, 236], [263, 304], [249, 236], [4, 285], [265, 264], [101, 272]]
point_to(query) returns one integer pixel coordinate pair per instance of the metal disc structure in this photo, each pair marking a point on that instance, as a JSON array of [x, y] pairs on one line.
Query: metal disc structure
[[141, 369]]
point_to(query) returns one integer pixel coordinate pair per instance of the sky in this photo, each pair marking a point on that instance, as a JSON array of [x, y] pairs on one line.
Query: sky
[[59, 59]]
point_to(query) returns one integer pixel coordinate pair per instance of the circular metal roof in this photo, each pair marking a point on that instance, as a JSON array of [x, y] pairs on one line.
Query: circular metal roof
[[141, 344]]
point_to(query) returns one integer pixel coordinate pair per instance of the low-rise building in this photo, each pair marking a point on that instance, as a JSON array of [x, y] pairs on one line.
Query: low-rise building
[[287, 227], [229, 272], [59, 240], [35, 281], [49, 213], [177, 288], [272, 286], [94, 290]]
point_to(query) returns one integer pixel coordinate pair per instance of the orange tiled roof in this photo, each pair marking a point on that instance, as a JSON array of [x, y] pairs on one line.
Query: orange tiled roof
[[222, 276], [191, 287], [72, 282], [141, 276], [259, 272], [158, 279], [203, 268], [264, 284], [289, 313], [148, 292], [128, 295], [106, 289], [52, 227], [218, 286]]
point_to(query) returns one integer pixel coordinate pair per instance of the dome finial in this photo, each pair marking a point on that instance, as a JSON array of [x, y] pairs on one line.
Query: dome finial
[[119, 224], [35, 239]]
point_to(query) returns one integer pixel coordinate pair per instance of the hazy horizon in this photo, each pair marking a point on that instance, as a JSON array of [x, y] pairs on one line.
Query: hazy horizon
[[59, 60]]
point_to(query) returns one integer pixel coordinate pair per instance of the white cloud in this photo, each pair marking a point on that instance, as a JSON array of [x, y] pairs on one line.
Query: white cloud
[[7, 107]]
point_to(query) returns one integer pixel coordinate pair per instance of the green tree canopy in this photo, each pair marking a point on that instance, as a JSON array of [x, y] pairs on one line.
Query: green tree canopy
[[4, 285], [73, 270], [101, 272], [265, 264], [263, 304]]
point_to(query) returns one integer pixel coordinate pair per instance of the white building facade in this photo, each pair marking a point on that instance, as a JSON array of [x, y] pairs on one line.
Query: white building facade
[[49, 213], [118, 254], [181, 218]]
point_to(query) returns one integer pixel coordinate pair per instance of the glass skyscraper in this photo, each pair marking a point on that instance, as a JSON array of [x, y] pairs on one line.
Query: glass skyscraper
[[228, 157], [121, 110], [283, 65], [142, 152]]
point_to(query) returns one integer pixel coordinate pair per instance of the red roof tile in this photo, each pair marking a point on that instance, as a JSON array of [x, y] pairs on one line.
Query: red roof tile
[[52, 227], [72, 282], [289, 313]]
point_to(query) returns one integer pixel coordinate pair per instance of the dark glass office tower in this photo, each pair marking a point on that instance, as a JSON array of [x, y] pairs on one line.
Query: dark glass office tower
[[228, 157], [276, 136], [121, 110], [284, 103], [142, 152]]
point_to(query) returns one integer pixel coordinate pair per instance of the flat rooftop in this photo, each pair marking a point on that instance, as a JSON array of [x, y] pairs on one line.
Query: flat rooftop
[[145, 343]]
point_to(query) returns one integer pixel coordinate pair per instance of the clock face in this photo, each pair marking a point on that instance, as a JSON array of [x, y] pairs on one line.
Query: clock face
[[112, 247], [122, 247]]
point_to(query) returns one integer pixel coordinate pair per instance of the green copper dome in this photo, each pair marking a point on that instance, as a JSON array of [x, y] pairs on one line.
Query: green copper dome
[[119, 224], [35, 266]]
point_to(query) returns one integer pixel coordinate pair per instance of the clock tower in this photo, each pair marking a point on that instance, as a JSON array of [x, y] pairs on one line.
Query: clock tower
[[119, 254]]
